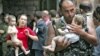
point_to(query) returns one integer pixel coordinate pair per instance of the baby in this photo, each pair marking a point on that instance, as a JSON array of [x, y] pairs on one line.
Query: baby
[[66, 34], [12, 31]]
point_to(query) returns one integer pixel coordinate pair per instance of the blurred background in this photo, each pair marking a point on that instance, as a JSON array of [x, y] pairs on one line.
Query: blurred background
[[16, 7]]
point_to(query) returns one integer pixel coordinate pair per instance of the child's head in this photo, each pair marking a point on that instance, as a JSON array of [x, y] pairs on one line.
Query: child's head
[[12, 20], [79, 20]]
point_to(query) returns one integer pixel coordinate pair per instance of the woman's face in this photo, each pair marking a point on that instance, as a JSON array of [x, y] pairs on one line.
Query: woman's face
[[23, 21]]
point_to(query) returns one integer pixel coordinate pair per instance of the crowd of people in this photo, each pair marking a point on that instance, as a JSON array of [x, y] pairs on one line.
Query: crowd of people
[[53, 33]]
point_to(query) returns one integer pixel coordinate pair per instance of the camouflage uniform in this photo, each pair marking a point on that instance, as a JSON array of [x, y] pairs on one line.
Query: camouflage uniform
[[80, 48], [3, 26]]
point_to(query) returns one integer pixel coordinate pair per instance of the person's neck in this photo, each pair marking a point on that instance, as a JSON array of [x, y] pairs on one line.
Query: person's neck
[[21, 26]]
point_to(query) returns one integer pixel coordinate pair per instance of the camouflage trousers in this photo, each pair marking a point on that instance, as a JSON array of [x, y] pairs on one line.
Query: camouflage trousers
[[70, 53], [1, 49], [4, 48]]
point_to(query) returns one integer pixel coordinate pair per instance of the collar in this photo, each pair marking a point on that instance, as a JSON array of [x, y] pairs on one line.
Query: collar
[[63, 20]]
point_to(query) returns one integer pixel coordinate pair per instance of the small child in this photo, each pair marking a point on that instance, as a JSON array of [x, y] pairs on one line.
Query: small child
[[66, 34], [12, 31]]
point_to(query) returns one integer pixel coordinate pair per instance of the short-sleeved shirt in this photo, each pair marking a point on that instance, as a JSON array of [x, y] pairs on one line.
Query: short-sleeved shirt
[[97, 48], [24, 38]]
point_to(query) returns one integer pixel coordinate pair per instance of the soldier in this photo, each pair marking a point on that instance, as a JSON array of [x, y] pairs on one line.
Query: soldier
[[83, 46], [3, 29]]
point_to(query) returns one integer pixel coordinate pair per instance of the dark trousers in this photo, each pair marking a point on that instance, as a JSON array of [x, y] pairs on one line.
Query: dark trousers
[[35, 52], [1, 52]]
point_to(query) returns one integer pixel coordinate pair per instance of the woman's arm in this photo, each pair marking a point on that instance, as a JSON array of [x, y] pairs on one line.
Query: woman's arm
[[33, 37], [31, 34]]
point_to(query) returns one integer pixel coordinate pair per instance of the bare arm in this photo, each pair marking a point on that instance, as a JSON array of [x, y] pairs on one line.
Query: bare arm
[[61, 31], [89, 36], [51, 31], [51, 34], [33, 37]]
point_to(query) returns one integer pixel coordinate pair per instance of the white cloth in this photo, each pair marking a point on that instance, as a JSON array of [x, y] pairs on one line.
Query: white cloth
[[72, 37]]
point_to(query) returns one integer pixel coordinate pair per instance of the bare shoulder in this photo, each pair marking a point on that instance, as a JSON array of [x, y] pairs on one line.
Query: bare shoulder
[[90, 25]]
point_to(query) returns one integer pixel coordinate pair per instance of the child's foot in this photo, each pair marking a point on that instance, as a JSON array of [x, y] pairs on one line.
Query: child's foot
[[27, 52], [48, 48]]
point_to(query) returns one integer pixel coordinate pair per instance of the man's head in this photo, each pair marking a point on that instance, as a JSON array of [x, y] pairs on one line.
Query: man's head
[[97, 11], [85, 6], [67, 9], [53, 13], [45, 15], [96, 15]]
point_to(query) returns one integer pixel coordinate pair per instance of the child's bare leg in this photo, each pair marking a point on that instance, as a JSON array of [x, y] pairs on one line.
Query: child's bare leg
[[53, 45], [24, 50], [66, 41], [16, 50]]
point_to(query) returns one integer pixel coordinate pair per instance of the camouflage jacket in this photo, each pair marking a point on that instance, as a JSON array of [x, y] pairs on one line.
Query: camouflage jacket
[[3, 26]]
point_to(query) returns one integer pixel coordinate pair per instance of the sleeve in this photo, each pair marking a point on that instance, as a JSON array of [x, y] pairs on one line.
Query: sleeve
[[32, 32], [3, 38], [40, 26], [57, 26], [98, 34]]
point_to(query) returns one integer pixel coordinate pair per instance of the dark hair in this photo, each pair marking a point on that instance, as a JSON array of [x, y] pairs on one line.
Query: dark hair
[[38, 14], [60, 3], [18, 16], [53, 13], [85, 6], [2, 15], [97, 11]]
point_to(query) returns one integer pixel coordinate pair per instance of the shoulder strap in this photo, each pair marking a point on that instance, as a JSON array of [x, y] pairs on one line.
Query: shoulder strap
[[85, 23]]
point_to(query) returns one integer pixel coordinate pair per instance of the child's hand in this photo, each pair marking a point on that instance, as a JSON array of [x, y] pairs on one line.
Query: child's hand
[[27, 32]]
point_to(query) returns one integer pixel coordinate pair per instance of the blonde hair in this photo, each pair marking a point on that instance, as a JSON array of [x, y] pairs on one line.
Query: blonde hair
[[10, 17], [79, 19]]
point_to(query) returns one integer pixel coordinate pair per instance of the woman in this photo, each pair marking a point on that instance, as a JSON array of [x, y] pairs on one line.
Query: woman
[[24, 32]]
